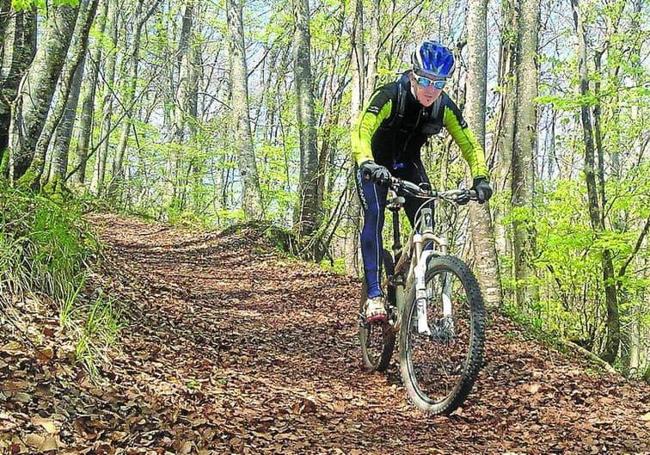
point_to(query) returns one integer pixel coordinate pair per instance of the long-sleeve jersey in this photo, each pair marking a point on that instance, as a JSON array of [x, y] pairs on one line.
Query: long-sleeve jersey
[[390, 135]]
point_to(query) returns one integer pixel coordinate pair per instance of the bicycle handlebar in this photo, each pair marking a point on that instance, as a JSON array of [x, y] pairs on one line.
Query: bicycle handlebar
[[411, 189]]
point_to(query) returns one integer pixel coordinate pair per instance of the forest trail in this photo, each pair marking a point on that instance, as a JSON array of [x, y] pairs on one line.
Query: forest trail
[[231, 348]]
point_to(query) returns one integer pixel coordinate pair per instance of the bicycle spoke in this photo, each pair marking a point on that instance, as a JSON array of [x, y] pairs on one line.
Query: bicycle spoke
[[377, 340], [438, 361]]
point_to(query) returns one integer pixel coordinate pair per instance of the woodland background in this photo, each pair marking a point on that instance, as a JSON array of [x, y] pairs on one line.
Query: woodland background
[[211, 113]]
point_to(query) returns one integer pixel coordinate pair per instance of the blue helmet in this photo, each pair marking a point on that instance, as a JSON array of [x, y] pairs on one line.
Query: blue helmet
[[431, 58]]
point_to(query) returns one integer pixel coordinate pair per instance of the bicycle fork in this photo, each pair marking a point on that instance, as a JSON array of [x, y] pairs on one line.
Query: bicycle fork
[[421, 296]]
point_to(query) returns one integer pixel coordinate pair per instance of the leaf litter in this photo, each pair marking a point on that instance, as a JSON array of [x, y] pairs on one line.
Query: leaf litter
[[230, 348]]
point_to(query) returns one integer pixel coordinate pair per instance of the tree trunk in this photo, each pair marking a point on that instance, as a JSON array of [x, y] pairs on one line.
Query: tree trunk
[[523, 154], [353, 221], [5, 17], [78, 48], [480, 220], [310, 201], [251, 197], [36, 93], [612, 342], [88, 101], [19, 49], [505, 137], [64, 131], [132, 84], [373, 50], [187, 105], [99, 171], [187, 88]]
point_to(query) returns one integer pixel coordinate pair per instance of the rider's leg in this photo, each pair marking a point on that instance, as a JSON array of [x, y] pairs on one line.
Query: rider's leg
[[373, 201], [414, 172]]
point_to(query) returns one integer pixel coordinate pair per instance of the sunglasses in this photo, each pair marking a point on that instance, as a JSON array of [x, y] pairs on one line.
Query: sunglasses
[[426, 82]]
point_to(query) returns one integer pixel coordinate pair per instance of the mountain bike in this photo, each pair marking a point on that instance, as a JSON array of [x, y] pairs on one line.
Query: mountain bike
[[434, 304]]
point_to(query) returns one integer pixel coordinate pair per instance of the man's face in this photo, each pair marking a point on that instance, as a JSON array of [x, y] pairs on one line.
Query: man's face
[[427, 90]]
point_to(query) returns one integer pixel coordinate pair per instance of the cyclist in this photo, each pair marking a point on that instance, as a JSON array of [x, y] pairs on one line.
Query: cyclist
[[387, 139]]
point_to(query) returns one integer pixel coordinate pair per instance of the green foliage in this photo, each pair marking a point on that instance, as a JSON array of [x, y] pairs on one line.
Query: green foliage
[[19, 5], [45, 247], [100, 330], [534, 325], [337, 266], [45, 252]]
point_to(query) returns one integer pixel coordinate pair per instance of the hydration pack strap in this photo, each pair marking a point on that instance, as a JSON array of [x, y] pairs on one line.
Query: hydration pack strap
[[396, 121]]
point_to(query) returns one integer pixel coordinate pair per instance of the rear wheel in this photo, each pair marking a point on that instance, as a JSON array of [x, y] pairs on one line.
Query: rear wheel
[[440, 360], [377, 340]]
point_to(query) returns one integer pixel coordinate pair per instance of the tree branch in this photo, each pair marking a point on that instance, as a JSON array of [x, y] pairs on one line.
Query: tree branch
[[637, 247]]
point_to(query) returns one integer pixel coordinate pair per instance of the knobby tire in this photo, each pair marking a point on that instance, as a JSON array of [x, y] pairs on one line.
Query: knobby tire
[[378, 361], [474, 356]]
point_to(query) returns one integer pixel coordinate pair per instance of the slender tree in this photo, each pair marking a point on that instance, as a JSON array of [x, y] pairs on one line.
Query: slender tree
[[252, 197], [310, 199], [107, 102], [88, 98], [35, 94], [77, 51], [505, 134], [481, 222], [353, 212], [523, 163], [141, 16], [18, 51], [373, 49], [5, 16], [596, 204], [64, 132], [186, 106]]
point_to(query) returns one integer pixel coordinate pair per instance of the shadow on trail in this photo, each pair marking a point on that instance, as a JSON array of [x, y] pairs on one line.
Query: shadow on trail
[[261, 354]]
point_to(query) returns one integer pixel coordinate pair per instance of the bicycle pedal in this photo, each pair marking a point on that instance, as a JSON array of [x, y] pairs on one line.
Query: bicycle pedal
[[395, 322]]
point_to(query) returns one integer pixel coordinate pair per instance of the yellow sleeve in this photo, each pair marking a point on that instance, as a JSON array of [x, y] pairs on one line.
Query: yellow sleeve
[[377, 111], [466, 141]]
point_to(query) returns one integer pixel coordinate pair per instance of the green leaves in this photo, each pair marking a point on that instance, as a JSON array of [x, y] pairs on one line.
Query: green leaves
[[19, 5]]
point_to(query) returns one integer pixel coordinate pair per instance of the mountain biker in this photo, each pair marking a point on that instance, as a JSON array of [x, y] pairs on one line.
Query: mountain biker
[[387, 139]]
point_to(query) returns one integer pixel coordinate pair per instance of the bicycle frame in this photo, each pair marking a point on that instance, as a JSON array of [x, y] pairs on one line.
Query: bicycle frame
[[412, 261], [424, 273]]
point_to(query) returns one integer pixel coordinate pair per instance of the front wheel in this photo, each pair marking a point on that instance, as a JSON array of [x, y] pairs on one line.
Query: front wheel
[[441, 343]]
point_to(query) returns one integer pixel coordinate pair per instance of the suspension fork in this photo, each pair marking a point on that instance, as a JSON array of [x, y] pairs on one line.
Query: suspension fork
[[422, 258]]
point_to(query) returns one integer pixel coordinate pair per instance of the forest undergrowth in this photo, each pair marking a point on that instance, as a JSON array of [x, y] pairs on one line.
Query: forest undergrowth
[[47, 257]]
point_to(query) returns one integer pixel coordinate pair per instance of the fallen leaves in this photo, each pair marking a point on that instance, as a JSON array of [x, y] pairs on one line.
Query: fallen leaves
[[49, 424], [12, 347], [45, 355], [304, 405], [231, 350], [42, 443], [532, 388]]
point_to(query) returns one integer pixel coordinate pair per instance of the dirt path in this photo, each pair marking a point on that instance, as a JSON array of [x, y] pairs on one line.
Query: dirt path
[[235, 349]]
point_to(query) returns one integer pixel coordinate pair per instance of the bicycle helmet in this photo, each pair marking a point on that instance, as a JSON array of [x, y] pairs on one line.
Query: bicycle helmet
[[431, 58]]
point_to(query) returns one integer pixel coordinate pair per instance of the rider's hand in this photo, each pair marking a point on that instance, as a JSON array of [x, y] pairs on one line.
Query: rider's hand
[[483, 189], [374, 172]]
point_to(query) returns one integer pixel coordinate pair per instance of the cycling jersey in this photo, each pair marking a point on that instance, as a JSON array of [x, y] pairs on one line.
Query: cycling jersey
[[391, 131], [391, 134]]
